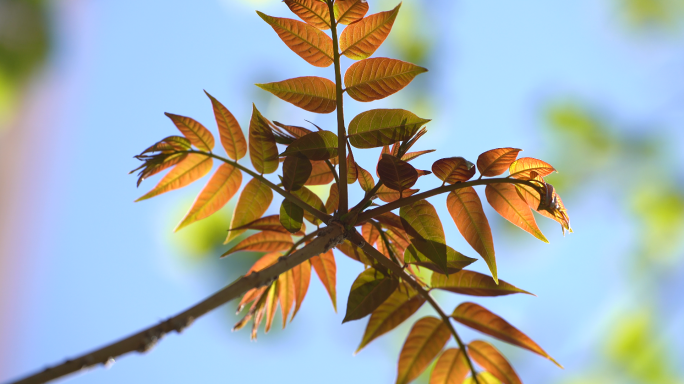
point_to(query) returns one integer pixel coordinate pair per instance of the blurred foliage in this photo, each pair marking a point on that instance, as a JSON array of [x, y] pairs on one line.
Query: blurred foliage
[[644, 15]]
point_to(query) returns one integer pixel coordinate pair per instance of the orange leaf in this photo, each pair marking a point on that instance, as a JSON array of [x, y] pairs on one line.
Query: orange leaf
[[199, 136], [313, 200], [365, 179], [333, 200], [422, 224], [375, 79], [479, 318], [232, 138], [320, 174], [370, 289], [380, 127], [151, 169], [192, 168], [301, 276], [370, 233], [310, 93], [218, 191], [451, 368], [505, 199], [352, 172], [359, 40], [350, 11], [473, 284], [493, 361], [389, 195], [353, 252], [262, 146], [271, 305], [412, 155], [531, 197], [465, 208], [390, 219], [426, 339], [483, 378], [325, 267], [294, 130], [320, 145], [254, 294], [286, 294], [296, 171], [527, 168], [453, 170], [263, 242], [396, 174], [268, 223], [496, 161], [308, 42], [314, 12], [252, 204]]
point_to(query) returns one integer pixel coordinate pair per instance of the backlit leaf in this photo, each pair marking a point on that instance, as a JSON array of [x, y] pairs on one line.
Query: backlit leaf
[[483, 378], [314, 12], [350, 11], [320, 145], [353, 252], [380, 127], [232, 138], [294, 130], [152, 167], [252, 204], [390, 219], [365, 179], [422, 224], [496, 161], [453, 170], [527, 168], [465, 208], [296, 171], [489, 358], [268, 223], [333, 200], [396, 174], [359, 40], [255, 293], [326, 269], [426, 339], [455, 261], [389, 195], [286, 294], [311, 93], [291, 216], [451, 368], [169, 144], [505, 200], [377, 78], [262, 145], [352, 172], [263, 242], [370, 289], [192, 168], [532, 198], [370, 232], [310, 43], [271, 305], [310, 198], [473, 284], [301, 276], [479, 318], [199, 136], [218, 191], [412, 155], [320, 174]]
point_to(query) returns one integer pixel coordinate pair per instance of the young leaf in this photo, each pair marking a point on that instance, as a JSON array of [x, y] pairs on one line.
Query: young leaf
[[353, 252], [271, 305], [422, 224], [199, 136], [268, 223], [310, 93], [352, 172], [455, 261], [453, 170], [496, 161], [286, 294], [505, 200], [483, 378], [426, 339], [333, 200], [350, 11], [396, 174], [370, 289], [308, 42], [262, 145], [310, 198], [168, 145], [527, 168], [451, 368], [380, 127], [263, 242], [532, 198], [389, 195], [155, 165], [375, 79], [359, 40], [314, 12], [301, 276], [473, 284], [325, 267], [370, 233], [365, 179], [390, 219], [291, 216], [218, 191], [479, 318], [320, 174], [412, 155], [232, 138], [192, 168], [252, 204], [294, 130], [296, 171], [493, 361], [465, 208], [255, 293], [320, 145], [403, 303]]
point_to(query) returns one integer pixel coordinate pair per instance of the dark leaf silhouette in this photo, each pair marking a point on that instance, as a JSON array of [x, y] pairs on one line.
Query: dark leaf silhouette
[[370, 289]]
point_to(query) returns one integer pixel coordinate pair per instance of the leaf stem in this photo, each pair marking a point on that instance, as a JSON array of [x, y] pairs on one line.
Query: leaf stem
[[334, 172]]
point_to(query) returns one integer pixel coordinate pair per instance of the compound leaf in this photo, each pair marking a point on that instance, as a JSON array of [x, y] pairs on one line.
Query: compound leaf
[[333, 200], [301, 276], [365, 179], [313, 200], [268, 223], [296, 171], [422, 224], [527, 168], [286, 294], [389, 195], [455, 261]]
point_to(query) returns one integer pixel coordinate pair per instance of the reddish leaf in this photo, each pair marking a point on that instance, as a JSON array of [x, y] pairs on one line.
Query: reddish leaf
[[192, 168], [422, 172], [352, 172], [422, 224], [268, 223], [291, 216], [396, 174], [451, 368], [320, 174], [453, 170], [426, 339], [353, 252], [252, 204], [532, 198], [370, 289], [264, 262], [527, 168], [169, 145], [365, 179], [301, 276], [308, 42], [350, 11], [370, 233], [493, 361], [218, 191], [473, 284], [465, 208], [271, 305], [390, 219], [310, 93], [286, 294], [310, 198], [199, 136], [333, 200], [314, 12], [325, 267], [296, 171], [232, 138], [412, 155], [455, 261], [320, 145], [262, 146], [496, 161], [263, 242], [505, 200], [359, 40], [479, 318], [375, 79], [152, 167], [379, 127], [294, 130], [389, 195]]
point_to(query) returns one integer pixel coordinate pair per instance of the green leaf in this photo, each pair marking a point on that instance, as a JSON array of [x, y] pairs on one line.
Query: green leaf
[[380, 127], [252, 204], [333, 200], [422, 224], [311, 93], [370, 289], [291, 216], [262, 145], [365, 179], [473, 284], [377, 78], [296, 171], [455, 261], [268, 223], [321, 145], [313, 200]]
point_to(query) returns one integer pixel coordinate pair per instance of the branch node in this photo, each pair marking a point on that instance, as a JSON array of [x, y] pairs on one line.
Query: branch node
[[179, 325], [150, 340]]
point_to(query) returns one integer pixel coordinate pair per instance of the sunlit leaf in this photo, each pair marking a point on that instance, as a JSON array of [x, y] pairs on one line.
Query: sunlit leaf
[[359, 40], [192, 168], [169, 144], [473, 284], [496, 161], [422, 172], [294, 130], [291, 216], [268, 223], [152, 167], [311, 93], [455, 261], [320, 145], [493, 361], [252, 204], [370, 289], [263, 242], [199, 136], [310, 43], [333, 200], [301, 276], [350, 11], [453, 170], [310, 198], [426, 339], [479, 318], [389, 195], [271, 305], [412, 155], [314, 12], [326, 269], [262, 145], [422, 224], [527, 168], [365, 179], [505, 200], [352, 172], [377, 78], [232, 138], [451, 368], [379, 127], [264, 262], [483, 378], [296, 171], [465, 208], [286, 294], [353, 252], [370, 232], [390, 219], [396, 174], [320, 174]]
